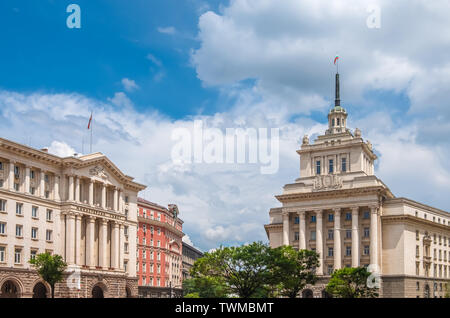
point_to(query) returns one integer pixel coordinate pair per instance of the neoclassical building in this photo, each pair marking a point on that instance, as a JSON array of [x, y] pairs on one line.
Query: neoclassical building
[[81, 207], [340, 209]]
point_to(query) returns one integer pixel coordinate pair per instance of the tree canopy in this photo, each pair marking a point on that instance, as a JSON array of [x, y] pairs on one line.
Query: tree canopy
[[50, 268], [351, 283]]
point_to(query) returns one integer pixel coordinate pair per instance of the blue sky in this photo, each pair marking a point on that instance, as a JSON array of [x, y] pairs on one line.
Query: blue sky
[[147, 68]]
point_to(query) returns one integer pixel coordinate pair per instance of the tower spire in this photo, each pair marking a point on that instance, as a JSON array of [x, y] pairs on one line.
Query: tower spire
[[337, 101]]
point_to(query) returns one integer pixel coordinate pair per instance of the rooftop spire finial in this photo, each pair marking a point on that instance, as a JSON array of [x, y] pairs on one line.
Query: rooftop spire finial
[[337, 101]]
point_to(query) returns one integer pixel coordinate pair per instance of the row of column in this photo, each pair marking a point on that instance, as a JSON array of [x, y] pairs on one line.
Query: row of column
[[41, 184], [337, 235], [73, 242], [75, 194]]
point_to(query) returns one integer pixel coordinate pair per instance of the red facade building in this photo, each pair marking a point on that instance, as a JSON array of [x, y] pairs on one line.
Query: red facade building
[[159, 250]]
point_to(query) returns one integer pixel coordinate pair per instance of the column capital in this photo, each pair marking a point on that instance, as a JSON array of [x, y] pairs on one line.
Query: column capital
[[374, 209], [301, 213], [318, 212], [91, 218], [337, 211], [355, 209], [103, 221]]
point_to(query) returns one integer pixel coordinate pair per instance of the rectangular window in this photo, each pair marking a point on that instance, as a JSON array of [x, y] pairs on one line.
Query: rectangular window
[[330, 251], [16, 186], [348, 234], [318, 167], [3, 228], [296, 236], [34, 212], [331, 217], [330, 270], [33, 254], [126, 247], [330, 234], [417, 251], [16, 171], [18, 256], [125, 230], [159, 230], [32, 174], [366, 215], [313, 235], [19, 230], [32, 190], [348, 216], [3, 205], [417, 235], [1, 183], [348, 250], [158, 257], [49, 215], [313, 219], [296, 220], [19, 208], [1, 165], [366, 249], [344, 165], [34, 231], [2, 254], [331, 166], [48, 235], [366, 232]]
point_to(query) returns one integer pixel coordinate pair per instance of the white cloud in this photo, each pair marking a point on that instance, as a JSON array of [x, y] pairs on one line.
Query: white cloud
[[61, 149], [129, 85], [167, 30]]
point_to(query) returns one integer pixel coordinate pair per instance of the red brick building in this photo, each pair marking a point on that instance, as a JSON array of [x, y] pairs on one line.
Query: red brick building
[[159, 250]]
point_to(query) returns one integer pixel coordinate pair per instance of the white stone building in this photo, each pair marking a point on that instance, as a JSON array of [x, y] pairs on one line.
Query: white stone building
[[340, 209], [82, 208]]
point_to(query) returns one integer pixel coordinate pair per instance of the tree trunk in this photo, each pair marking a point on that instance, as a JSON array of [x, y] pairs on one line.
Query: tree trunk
[[53, 290]]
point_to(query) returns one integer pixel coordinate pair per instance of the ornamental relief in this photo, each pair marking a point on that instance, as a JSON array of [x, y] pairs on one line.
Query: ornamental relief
[[327, 182], [98, 171]]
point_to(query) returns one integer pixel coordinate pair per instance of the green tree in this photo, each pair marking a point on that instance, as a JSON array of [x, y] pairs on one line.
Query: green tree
[[293, 269], [205, 287], [447, 291], [351, 283], [244, 269], [50, 268]]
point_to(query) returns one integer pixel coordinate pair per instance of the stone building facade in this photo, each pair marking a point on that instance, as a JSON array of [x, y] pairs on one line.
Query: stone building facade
[[159, 254], [340, 209], [81, 207], [190, 255]]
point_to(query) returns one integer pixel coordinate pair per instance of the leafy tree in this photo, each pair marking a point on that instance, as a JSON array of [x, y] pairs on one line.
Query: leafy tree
[[447, 291], [205, 287], [50, 268], [244, 269], [293, 269], [351, 283]]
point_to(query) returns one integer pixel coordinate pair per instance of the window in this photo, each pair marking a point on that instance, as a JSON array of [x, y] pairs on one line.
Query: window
[[32, 174], [19, 208], [313, 219], [3, 205], [1, 183], [348, 216], [330, 234], [143, 241], [34, 212], [34, 232], [338, 121], [348, 234], [19, 230], [47, 194], [313, 235], [330, 251], [348, 250], [158, 257], [366, 215], [2, 254], [1, 165], [417, 251], [33, 254], [125, 230], [366, 232], [417, 235], [344, 164], [16, 186], [151, 229], [32, 190], [126, 247], [366, 249], [158, 243], [48, 235], [144, 228], [296, 220], [318, 167], [331, 217], [125, 265], [18, 256], [126, 199], [16, 171], [331, 166], [159, 231], [296, 236], [417, 286], [2, 228], [46, 178], [49, 215], [332, 122]]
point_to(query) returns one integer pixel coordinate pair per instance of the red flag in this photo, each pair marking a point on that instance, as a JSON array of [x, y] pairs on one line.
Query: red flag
[[335, 59], [90, 120]]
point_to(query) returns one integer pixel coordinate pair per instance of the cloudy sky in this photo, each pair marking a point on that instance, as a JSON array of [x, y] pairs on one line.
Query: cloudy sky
[[146, 68]]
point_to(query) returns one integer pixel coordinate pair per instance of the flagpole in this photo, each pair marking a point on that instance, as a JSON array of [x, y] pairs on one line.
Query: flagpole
[[91, 130]]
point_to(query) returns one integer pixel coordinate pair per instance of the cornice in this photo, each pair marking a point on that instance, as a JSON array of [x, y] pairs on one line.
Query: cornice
[[412, 220], [415, 204]]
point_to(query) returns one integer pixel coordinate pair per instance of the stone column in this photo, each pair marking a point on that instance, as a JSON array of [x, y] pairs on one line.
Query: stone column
[[11, 175], [103, 196], [91, 193], [42, 185], [121, 245], [56, 189], [337, 239], [63, 235], [103, 232], [27, 179], [115, 199], [70, 239], [285, 228], [373, 235], [115, 258], [77, 189], [90, 242], [355, 237], [121, 201], [70, 188], [78, 240], [319, 240], [302, 230]]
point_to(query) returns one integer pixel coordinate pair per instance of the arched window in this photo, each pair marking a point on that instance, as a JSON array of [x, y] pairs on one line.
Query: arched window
[[332, 122], [338, 122]]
